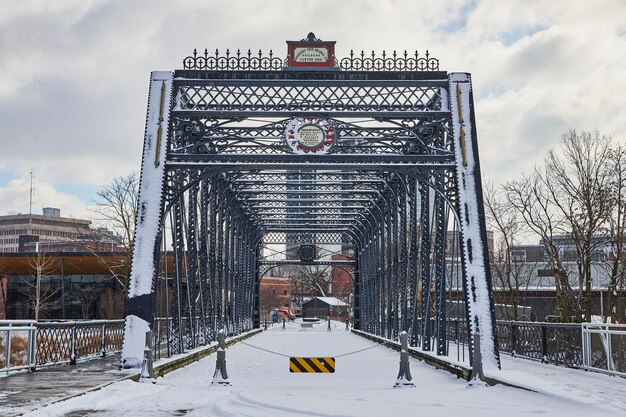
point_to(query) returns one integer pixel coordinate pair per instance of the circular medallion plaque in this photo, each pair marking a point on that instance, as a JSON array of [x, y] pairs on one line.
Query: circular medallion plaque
[[309, 135]]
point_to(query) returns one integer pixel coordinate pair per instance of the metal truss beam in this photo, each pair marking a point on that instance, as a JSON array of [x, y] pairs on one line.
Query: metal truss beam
[[401, 177]]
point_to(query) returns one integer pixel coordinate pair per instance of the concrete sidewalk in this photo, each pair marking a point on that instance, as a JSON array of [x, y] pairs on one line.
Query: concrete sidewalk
[[24, 391]]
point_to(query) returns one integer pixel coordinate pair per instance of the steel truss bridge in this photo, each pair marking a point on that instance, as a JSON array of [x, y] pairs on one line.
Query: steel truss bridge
[[388, 165]]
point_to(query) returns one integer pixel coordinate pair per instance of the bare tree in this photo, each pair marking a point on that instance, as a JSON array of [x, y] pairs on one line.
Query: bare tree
[[43, 295], [314, 279], [616, 259], [116, 206], [530, 198], [111, 304], [510, 274], [570, 197], [579, 185], [85, 299]]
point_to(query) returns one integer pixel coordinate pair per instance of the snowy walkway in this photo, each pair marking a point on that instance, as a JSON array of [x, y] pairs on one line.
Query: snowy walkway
[[362, 386], [26, 390]]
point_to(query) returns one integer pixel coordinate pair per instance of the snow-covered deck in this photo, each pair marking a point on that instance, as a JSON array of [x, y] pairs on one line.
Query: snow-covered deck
[[361, 386]]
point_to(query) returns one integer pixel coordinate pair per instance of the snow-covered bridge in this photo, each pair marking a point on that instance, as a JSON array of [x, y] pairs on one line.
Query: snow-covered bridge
[[375, 154]]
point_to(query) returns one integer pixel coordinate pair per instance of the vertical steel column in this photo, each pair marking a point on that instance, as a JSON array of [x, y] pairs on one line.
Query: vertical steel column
[[256, 291], [212, 267], [403, 262], [203, 263], [356, 311], [380, 279], [178, 303], [192, 261], [476, 273], [149, 220], [395, 269], [228, 232], [388, 268], [425, 265], [441, 224], [413, 260], [219, 242]]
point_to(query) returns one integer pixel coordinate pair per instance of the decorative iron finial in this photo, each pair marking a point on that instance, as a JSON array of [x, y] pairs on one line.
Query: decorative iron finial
[[311, 38]]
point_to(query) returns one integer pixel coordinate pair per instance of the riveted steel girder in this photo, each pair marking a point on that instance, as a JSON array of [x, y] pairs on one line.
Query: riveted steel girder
[[398, 192]]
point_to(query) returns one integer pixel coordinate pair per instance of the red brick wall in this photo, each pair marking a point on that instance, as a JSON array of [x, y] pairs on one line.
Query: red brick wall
[[341, 281]]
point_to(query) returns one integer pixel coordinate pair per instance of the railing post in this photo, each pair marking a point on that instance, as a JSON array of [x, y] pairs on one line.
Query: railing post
[[73, 344], [544, 343], [33, 349], [7, 352], [103, 340], [513, 339]]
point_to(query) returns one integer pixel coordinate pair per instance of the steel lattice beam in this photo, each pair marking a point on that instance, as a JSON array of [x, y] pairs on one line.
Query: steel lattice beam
[[400, 178]]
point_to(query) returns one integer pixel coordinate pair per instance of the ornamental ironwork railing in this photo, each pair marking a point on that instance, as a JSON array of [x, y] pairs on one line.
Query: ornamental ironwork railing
[[26, 344], [249, 61], [235, 61], [394, 62], [555, 343]]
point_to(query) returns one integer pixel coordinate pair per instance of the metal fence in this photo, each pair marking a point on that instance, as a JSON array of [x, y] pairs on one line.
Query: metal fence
[[26, 344], [17, 344], [604, 348], [555, 343]]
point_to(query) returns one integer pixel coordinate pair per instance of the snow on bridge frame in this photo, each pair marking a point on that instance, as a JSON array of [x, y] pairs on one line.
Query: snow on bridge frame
[[219, 177]]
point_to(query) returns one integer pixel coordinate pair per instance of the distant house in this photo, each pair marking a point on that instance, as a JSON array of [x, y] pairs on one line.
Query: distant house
[[321, 307]]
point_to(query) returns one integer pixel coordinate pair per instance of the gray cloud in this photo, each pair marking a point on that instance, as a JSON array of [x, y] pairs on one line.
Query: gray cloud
[[75, 73]]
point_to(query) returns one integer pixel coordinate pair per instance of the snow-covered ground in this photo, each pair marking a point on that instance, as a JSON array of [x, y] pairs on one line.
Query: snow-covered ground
[[361, 386]]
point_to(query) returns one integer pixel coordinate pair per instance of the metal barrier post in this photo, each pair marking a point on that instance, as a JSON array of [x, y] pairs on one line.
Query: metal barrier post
[[477, 362], [404, 374], [347, 325], [147, 367], [220, 376], [284, 324]]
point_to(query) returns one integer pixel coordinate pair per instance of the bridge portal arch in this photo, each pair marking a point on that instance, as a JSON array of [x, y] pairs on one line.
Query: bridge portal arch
[[377, 155]]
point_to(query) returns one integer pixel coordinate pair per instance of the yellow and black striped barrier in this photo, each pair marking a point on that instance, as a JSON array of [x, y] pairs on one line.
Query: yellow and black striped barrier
[[312, 365]]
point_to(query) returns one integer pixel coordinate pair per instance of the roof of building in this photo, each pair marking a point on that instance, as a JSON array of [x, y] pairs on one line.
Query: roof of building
[[331, 301], [275, 280], [26, 218]]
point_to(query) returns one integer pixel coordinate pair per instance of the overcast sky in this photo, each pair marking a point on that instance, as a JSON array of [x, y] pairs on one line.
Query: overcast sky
[[75, 74]]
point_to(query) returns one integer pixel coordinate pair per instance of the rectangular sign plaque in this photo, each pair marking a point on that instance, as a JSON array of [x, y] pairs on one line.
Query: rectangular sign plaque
[[311, 53]]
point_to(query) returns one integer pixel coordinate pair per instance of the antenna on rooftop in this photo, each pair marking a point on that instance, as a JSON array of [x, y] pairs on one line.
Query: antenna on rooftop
[[30, 201]]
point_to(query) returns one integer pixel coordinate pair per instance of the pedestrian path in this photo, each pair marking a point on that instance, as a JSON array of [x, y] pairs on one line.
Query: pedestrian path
[[362, 385], [24, 391]]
